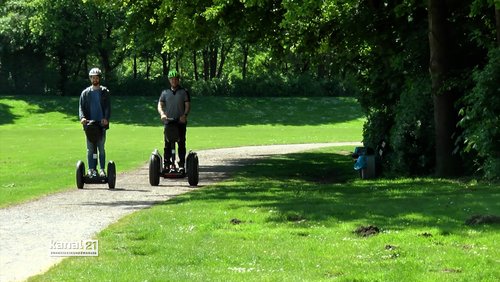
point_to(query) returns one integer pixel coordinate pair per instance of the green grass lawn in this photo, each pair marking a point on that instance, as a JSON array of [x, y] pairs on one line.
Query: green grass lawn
[[42, 139], [287, 218], [292, 218]]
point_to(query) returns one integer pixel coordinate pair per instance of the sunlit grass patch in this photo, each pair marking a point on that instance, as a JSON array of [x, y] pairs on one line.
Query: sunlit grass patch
[[42, 139], [276, 221]]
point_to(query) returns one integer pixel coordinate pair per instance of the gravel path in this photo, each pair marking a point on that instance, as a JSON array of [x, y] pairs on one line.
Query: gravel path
[[28, 230]]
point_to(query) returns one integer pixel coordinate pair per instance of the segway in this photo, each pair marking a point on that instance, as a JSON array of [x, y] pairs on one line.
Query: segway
[[93, 131], [155, 161]]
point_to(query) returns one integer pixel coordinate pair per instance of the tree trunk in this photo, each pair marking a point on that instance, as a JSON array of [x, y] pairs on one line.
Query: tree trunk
[[245, 61], [78, 69], [206, 66], [149, 62], [445, 115], [322, 68], [135, 66], [195, 66], [165, 62], [86, 67], [213, 61], [223, 55], [63, 72], [108, 53], [106, 63], [497, 16]]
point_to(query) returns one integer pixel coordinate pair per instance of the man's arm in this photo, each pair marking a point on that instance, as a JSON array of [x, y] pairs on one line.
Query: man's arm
[[187, 108], [107, 101], [81, 114], [162, 113]]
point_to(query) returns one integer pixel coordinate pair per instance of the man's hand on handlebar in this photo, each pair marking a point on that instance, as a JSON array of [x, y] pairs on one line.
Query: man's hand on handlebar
[[163, 118], [183, 119], [102, 122]]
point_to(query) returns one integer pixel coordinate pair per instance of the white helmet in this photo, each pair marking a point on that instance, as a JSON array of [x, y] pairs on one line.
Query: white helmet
[[95, 71]]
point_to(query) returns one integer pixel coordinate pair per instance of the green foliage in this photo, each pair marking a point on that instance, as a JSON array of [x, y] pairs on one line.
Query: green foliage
[[391, 94], [138, 87], [253, 48], [377, 128], [481, 117], [272, 86], [411, 136], [214, 87]]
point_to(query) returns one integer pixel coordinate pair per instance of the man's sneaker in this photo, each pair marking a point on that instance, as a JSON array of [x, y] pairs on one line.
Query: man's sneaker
[[92, 172], [165, 169], [102, 173], [181, 170]]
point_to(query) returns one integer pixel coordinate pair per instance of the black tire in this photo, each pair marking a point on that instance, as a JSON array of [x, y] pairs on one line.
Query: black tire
[[154, 170], [111, 175], [80, 174], [192, 167]]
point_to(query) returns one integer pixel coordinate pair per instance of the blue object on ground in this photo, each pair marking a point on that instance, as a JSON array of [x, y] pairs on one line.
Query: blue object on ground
[[360, 162]]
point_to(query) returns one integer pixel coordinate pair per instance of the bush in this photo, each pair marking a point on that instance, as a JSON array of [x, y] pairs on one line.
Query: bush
[[271, 86], [214, 87], [411, 136], [404, 120], [137, 87], [480, 117]]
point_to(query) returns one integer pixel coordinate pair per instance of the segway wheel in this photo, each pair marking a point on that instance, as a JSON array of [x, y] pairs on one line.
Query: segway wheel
[[192, 167], [80, 173], [111, 175], [154, 170]]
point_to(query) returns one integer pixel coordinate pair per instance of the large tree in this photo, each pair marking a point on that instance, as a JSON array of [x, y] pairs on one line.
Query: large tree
[[444, 98]]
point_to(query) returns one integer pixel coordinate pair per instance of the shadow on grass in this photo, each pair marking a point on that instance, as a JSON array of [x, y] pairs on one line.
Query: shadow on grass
[[206, 111], [308, 189], [6, 115]]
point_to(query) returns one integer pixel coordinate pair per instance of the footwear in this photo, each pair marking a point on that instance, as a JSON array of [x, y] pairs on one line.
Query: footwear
[[166, 167], [92, 172], [102, 173]]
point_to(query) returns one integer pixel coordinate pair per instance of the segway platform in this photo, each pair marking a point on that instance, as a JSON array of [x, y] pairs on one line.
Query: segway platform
[[93, 131], [83, 178], [173, 172], [155, 169]]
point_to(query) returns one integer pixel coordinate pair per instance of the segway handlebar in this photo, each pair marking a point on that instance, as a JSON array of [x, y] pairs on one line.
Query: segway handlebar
[[171, 120], [93, 122]]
